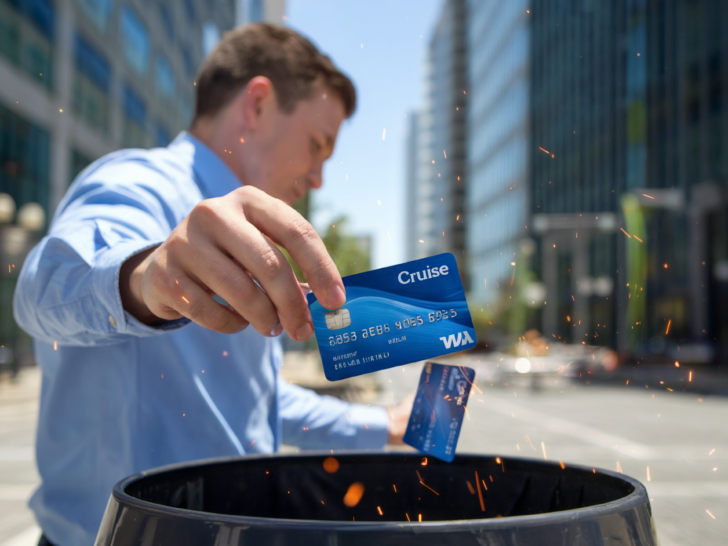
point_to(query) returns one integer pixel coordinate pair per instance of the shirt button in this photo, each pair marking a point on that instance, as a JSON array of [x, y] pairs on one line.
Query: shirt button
[[112, 321]]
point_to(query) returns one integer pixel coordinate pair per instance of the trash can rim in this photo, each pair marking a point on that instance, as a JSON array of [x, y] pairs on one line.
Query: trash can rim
[[635, 498]]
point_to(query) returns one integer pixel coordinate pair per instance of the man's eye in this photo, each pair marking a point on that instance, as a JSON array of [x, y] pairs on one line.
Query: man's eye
[[315, 146]]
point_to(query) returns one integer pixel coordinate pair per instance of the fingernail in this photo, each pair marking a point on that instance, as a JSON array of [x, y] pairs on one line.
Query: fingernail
[[304, 332], [277, 330], [336, 293]]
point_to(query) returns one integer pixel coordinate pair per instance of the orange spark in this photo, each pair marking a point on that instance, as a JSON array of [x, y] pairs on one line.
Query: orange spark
[[690, 376], [395, 488], [251, 444], [543, 448], [55, 345], [649, 479], [406, 514], [480, 493], [711, 515], [486, 487], [424, 462], [331, 465], [467, 413], [627, 234], [242, 140], [668, 326], [444, 153], [354, 494], [427, 486], [470, 487], [677, 364], [563, 466], [648, 196], [420, 517], [640, 240], [378, 510], [188, 301], [544, 150]]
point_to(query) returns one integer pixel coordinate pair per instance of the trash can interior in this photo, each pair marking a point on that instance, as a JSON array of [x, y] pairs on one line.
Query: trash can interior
[[396, 487]]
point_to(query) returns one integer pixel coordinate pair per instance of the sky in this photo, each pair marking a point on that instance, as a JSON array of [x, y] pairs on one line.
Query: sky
[[382, 46]]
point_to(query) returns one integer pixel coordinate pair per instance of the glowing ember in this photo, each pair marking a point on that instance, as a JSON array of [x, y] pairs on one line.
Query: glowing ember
[[480, 493], [354, 494], [424, 462], [648, 196], [380, 511], [55, 345], [544, 150], [627, 234], [331, 465], [188, 301], [649, 479], [543, 448], [711, 515], [470, 487]]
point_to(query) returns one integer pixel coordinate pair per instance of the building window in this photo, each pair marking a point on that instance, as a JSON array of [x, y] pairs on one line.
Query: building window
[[166, 17], [26, 37], [188, 63], [210, 37], [135, 113], [135, 41], [163, 78], [161, 135], [91, 85], [97, 11], [24, 159], [79, 162], [190, 11]]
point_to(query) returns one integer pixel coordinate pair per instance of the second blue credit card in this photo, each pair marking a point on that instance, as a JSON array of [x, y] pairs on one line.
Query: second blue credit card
[[394, 316], [438, 410]]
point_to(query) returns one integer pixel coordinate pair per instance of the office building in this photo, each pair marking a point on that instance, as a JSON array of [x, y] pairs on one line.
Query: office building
[[436, 169], [497, 141], [625, 128]]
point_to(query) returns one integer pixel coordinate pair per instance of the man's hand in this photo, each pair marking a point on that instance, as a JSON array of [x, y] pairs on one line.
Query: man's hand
[[227, 246], [398, 418]]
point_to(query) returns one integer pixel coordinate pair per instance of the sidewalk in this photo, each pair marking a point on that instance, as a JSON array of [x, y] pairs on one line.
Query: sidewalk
[[18, 475]]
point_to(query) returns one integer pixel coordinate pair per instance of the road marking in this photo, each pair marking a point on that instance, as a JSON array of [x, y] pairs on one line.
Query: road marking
[[17, 491], [29, 537], [17, 454], [585, 433], [687, 489]]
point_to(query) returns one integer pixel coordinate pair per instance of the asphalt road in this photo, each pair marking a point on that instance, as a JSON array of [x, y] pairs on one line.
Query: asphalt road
[[681, 438]]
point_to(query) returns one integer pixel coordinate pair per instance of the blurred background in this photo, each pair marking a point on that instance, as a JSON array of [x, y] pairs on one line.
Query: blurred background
[[569, 153]]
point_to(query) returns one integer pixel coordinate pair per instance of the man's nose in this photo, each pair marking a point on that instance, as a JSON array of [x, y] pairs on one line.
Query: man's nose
[[315, 177]]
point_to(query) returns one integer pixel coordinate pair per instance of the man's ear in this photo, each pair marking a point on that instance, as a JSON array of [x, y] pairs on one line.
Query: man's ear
[[257, 97]]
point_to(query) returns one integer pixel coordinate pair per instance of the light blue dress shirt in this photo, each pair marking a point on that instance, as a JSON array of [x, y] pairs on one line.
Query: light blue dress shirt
[[119, 397]]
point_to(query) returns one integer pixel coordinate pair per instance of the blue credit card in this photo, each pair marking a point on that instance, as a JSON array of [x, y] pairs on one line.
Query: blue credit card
[[394, 316], [437, 414]]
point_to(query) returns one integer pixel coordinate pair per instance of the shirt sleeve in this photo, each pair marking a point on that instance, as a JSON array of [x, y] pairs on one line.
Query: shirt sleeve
[[311, 421], [68, 289]]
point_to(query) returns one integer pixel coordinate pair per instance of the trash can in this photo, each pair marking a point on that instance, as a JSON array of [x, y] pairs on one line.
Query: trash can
[[397, 499]]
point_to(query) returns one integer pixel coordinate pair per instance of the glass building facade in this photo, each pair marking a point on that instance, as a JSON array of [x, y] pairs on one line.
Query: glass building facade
[[79, 79], [598, 129], [436, 168], [497, 140]]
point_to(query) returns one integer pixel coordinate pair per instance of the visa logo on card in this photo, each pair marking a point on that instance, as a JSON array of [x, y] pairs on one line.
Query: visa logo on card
[[394, 316], [437, 414]]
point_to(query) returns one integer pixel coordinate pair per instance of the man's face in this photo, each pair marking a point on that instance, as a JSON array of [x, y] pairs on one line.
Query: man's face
[[291, 148]]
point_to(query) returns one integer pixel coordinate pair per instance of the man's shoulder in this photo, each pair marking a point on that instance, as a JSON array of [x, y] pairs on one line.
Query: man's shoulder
[[155, 162]]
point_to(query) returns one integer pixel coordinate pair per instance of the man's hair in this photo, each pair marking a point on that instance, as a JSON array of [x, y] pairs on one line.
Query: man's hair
[[290, 61]]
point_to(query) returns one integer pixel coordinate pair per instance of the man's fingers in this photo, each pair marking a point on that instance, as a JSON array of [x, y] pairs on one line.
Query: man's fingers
[[197, 305], [291, 230], [267, 264]]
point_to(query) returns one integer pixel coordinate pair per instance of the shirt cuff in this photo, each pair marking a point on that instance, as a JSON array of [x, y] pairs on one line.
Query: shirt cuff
[[108, 297], [372, 423]]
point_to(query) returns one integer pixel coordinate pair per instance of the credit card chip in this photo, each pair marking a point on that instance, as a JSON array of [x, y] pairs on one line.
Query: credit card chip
[[335, 320]]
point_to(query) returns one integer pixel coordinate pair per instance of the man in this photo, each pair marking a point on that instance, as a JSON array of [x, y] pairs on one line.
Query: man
[[123, 295]]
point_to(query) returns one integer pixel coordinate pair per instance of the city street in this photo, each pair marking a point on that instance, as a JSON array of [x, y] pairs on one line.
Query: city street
[[681, 438]]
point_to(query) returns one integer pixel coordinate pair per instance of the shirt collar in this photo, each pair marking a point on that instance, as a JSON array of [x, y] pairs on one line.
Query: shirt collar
[[213, 176]]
